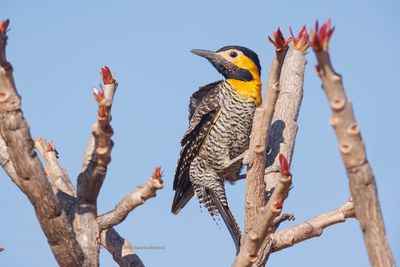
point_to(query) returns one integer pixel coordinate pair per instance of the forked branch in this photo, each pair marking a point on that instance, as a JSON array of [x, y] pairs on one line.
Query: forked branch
[[29, 174], [263, 226], [284, 127]]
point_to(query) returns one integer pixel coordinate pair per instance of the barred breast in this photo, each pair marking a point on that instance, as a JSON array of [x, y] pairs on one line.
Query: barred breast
[[227, 139]]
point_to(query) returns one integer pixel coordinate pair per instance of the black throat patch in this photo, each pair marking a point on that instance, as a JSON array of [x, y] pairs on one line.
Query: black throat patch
[[230, 71]]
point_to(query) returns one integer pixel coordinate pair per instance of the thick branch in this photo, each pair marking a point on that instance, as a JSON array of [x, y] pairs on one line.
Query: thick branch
[[255, 185], [284, 127], [362, 181], [29, 174], [134, 199], [263, 226], [7, 165], [120, 248], [311, 228]]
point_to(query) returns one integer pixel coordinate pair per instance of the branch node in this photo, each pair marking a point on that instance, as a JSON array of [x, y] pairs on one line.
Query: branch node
[[253, 235], [338, 104], [4, 96], [334, 121], [353, 129], [345, 148]]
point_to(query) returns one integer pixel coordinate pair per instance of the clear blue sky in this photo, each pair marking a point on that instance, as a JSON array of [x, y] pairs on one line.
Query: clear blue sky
[[57, 49]]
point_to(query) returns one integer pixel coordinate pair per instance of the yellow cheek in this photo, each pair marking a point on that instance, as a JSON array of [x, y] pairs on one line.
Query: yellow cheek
[[245, 63]]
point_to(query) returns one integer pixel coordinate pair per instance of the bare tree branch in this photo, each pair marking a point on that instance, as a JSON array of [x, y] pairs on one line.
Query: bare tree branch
[[255, 185], [120, 248], [59, 176], [284, 127], [7, 164], [134, 199], [29, 173], [67, 218], [264, 224], [311, 228], [352, 148], [91, 178]]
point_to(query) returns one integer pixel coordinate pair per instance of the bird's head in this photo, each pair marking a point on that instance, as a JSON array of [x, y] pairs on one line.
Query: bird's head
[[240, 66]]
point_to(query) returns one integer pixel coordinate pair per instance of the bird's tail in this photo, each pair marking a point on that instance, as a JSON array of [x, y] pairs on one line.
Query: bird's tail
[[182, 195], [228, 218]]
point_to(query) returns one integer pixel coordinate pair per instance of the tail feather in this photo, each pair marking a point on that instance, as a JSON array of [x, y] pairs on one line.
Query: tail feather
[[182, 196], [228, 218]]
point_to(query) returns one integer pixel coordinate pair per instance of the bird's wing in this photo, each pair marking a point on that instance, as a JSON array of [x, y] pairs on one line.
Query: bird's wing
[[204, 115], [198, 96]]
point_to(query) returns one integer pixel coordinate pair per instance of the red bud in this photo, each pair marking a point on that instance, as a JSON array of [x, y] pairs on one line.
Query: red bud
[[321, 37], [51, 148], [2, 249], [106, 75], [157, 173], [301, 42], [4, 25], [284, 165], [279, 40]]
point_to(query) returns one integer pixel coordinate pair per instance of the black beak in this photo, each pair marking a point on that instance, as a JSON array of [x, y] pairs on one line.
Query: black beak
[[210, 55]]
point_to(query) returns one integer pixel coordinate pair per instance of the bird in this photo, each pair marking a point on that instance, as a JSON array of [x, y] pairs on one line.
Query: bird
[[220, 122]]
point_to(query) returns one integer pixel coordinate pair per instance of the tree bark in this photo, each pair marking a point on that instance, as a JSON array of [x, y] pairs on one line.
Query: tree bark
[[361, 178]]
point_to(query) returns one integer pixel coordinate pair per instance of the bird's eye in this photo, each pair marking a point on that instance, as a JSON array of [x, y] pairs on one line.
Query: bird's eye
[[233, 54]]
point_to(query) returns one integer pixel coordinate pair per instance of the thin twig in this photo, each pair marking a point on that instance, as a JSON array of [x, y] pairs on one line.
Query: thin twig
[[311, 228], [134, 199]]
